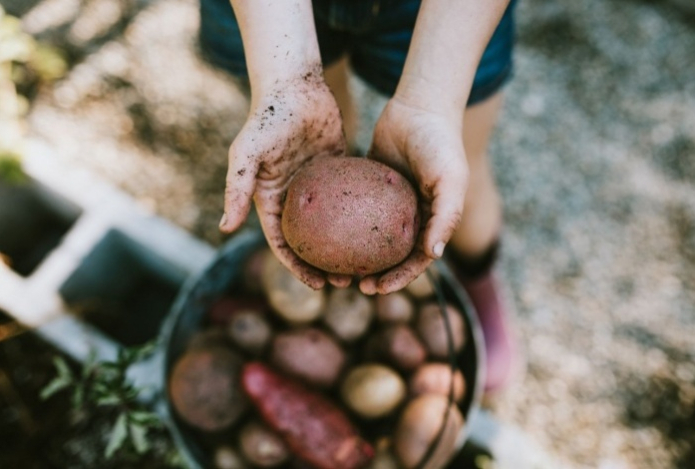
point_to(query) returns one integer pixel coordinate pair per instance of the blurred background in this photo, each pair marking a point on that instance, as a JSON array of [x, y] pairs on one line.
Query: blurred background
[[595, 156]]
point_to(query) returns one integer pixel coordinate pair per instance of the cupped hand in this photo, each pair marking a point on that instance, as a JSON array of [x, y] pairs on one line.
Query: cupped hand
[[293, 122], [427, 147]]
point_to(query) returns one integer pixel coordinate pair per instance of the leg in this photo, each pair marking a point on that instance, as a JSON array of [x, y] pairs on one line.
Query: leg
[[482, 215], [336, 76]]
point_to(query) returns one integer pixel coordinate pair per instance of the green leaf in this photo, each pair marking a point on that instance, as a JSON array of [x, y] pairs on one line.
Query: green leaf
[[112, 399], [58, 384], [138, 436], [149, 419], [118, 436]]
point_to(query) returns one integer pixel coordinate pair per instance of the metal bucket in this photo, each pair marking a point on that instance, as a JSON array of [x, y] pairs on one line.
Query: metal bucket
[[188, 314]]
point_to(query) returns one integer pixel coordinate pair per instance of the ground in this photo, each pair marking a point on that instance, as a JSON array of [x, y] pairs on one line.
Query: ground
[[594, 154]]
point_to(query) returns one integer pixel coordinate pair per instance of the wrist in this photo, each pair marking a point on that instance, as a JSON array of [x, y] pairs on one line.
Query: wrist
[[419, 92]]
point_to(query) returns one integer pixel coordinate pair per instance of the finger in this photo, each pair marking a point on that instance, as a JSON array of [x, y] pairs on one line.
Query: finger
[[272, 228], [238, 194], [404, 273], [339, 281], [368, 285], [445, 212]]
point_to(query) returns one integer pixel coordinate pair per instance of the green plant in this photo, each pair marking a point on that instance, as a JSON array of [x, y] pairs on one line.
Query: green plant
[[105, 383]]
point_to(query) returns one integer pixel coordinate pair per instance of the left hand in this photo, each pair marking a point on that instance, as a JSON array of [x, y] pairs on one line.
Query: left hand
[[426, 146]]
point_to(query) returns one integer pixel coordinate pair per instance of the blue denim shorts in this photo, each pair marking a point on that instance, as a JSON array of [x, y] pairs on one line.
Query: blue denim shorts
[[375, 34]]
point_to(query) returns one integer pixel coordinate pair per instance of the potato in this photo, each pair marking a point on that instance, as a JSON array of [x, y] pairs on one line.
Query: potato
[[384, 459], [394, 307], [418, 428], [262, 446], [349, 215], [402, 348], [294, 301], [228, 458], [208, 338], [421, 288], [373, 390], [309, 354], [435, 378], [205, 390], [432, 329], [250, 331], [222, 310], [348, 313]]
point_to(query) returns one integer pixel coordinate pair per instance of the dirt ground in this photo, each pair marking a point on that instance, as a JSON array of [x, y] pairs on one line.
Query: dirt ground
[[594, 154]]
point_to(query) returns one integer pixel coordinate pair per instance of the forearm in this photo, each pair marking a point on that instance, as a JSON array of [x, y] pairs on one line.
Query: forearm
[[279, 40], [449, 39]]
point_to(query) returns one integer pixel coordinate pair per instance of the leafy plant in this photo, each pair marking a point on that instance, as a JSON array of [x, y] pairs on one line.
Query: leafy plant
[[105, 384]]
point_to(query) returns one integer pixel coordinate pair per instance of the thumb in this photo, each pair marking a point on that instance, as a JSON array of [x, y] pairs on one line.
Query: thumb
[[446, 211], [238, 194]]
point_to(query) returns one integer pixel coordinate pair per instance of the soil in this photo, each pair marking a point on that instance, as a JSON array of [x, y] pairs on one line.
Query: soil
[[595, 158]]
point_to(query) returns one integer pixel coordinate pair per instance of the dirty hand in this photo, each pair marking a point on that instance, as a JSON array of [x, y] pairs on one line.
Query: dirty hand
[[289, 123], [427, 147]]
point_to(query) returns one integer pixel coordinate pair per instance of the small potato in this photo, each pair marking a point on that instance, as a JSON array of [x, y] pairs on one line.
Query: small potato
[[309, 354], [384, 459], [294, 301], [208, 338], [224, 309], [432, 329], [250, 331], [373, 390], [421, 288], [418, 427], [435, 378], [348, 313], [261, 446], [402, 348], [395, 307], [205, 390], [228, 458], [253, 272]]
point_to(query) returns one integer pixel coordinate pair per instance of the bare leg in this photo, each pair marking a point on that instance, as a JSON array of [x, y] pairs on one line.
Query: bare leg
[[482, 214], [336, 78]]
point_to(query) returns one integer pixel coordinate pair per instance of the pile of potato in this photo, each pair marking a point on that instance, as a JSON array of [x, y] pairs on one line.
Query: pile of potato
[[287, 376]]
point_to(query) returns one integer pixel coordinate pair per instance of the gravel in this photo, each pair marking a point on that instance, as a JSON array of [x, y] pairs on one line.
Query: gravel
[[595, 157]]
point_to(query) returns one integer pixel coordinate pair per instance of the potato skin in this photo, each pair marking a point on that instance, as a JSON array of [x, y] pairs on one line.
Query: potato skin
[[348, 313], [350, 215], [262, 446], [308, 354], [395, 307], [418, 427], [435, 378], [432, 329], [205, 388]]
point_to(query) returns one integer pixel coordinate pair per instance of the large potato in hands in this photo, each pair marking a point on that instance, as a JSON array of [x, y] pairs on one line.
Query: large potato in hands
[[349, 215], [205, 388]]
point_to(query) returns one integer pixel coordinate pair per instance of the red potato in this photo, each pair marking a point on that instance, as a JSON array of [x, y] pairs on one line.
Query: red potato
[[432, 329], [435, 378], [308, 354], [261, 446], [395, 307], [205, 390], [348, 313], [349, 215], [402, 348], [315, 429]]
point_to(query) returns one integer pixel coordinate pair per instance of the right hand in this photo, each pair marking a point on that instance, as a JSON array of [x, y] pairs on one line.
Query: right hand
[[289, 123]]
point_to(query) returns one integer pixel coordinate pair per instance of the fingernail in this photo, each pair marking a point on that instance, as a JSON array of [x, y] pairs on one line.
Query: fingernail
[[438, 249], [223, 222]]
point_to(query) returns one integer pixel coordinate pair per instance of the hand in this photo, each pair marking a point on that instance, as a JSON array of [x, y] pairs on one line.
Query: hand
[[427, 147], [291, 123]]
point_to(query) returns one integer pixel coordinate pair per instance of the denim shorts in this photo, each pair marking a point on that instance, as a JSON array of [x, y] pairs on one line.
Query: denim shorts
[[375, 34]]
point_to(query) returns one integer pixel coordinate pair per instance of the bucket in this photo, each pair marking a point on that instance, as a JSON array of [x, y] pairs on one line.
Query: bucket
[[188, 315]]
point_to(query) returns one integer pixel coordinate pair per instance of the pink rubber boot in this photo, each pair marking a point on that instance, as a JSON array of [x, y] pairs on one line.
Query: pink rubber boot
[[486, 294]]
